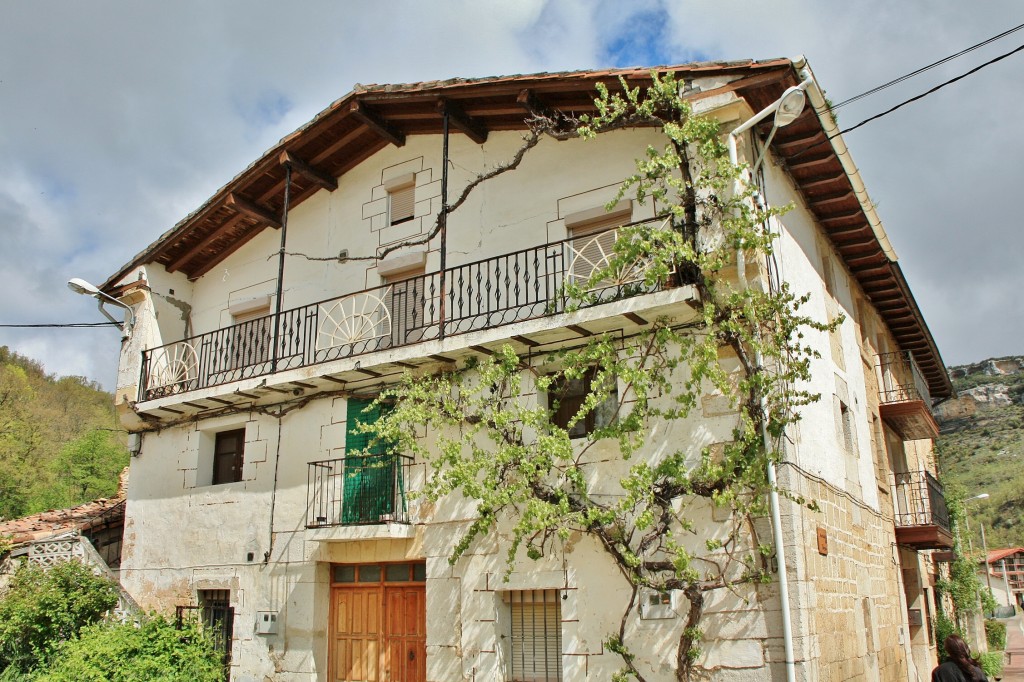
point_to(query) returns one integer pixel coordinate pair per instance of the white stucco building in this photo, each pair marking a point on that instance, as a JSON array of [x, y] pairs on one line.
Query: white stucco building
[[240, 493]]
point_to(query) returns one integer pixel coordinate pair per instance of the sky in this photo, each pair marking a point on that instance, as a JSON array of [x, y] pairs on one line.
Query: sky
[[119, 118]]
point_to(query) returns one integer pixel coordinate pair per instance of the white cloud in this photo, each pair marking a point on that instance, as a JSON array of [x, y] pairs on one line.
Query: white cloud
[[120, 118]]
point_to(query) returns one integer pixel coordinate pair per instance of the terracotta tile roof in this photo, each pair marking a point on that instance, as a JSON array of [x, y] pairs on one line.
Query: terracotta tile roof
[[57, 521], [1000, 554]]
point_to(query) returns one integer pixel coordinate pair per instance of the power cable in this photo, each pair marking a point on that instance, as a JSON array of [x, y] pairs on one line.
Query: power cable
[[907, 101], [72, 325], [936, 88], [904, 77]]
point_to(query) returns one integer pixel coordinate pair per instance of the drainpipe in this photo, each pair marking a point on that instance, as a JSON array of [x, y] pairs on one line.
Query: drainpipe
[[280, 264], [444, 222], [773, 494]]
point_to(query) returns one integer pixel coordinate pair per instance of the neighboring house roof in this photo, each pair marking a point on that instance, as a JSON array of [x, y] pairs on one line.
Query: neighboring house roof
[[82, 518], [995, 555], [371, 117]]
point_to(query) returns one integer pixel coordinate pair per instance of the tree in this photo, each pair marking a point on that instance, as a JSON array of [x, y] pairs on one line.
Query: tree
[[51, 431], [155, 649], [43, 607], [493, 444], [87, 468]]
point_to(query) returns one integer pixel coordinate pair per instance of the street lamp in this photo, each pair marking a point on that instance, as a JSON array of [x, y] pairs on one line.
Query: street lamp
[[984, 545], [80, 286], [967, 519]]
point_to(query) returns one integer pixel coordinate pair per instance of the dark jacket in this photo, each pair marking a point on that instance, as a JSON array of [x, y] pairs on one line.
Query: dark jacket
[[950, 672]]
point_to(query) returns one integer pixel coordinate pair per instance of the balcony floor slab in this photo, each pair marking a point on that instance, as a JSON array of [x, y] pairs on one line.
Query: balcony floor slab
[[628, 315]]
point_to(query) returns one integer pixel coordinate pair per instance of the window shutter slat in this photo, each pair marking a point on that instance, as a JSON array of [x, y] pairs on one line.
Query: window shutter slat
[[401, 204]]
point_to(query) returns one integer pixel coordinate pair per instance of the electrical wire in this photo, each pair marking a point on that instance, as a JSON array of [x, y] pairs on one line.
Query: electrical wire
[[72, 325], [907, 101], [904, 77]]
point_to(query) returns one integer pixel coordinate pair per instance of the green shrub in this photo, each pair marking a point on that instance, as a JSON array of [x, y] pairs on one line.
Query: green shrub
[[136, 652], [992, 663], [944, 627], [995, 634], [42, 608]]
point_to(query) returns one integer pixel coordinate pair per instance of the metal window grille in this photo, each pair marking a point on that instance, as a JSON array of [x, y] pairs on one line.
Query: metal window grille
[[536, 636], [216, 616]]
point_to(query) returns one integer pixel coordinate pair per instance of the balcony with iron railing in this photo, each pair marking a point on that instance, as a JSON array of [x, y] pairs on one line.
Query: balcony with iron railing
[[484, 294], [919, 511], [358, 490], [904, 399]]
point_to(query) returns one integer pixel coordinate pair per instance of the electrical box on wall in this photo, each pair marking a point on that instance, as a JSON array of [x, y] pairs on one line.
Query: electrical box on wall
[[266, 622], [656, 605]]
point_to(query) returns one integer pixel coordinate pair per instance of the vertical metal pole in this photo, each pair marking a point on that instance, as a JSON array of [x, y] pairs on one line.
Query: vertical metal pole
[[984, 548], [280, 264], [444, 221], [1006, 584]]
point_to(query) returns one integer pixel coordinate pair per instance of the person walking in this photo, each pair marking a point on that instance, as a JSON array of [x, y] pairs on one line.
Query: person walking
[[961, 666]]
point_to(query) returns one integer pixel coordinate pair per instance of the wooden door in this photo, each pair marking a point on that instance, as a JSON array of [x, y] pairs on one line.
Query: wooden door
[[405, 638], [356, 634], [378, 633]]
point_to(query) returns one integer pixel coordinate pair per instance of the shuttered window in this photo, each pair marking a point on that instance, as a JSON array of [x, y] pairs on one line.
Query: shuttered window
[[373, 479], [593, 236], [535, 618], [401, 204]]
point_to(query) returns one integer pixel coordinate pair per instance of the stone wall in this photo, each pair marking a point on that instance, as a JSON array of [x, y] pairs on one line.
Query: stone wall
[[851, 593]]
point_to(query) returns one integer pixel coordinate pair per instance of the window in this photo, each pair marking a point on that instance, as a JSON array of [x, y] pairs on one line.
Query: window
[[878, 452], [405, 296], [217, 616], [250, 340], [827, 273], [401, 198], [534, 635], [228, 456], [373, 489], [593, 242], [566, 397], [846, 417]]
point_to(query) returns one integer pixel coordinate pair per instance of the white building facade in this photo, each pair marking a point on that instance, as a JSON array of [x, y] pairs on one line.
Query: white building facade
[[244, 381]]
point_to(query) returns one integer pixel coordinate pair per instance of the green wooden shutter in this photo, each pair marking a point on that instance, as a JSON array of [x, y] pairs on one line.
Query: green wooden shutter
[[372, 475]]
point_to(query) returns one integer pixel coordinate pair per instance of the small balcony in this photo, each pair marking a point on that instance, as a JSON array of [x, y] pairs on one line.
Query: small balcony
[[484, 294], [358, 491], [919, 511], [905, 402]]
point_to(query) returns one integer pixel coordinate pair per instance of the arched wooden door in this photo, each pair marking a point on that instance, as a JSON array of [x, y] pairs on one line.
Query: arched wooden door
[[378, 623]]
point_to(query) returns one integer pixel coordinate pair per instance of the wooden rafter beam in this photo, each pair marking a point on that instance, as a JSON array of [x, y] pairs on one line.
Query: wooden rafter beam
[[811, 161], [377, 124], [254, 211], [315, 176], [529, 101], [233, 246], [473, 128], [220, 231]]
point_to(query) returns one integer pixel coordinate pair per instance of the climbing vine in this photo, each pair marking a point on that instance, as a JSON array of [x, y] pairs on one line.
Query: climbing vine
[[962, 583], [492, 438]]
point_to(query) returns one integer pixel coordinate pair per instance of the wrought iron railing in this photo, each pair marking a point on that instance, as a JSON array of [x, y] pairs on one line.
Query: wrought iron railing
[[918, 500], [358, 490], [483, 294], [901, 380], [218, 620]]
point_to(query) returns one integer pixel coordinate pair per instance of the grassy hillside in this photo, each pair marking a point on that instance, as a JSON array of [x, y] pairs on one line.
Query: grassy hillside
[[60, 444], [983, 451]]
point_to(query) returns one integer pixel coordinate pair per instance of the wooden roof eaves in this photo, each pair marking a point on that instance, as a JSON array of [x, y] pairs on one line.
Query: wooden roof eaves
[[461, 90], [341, 109]]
